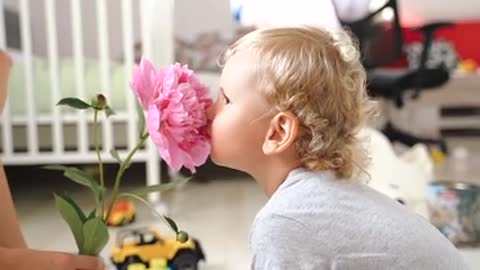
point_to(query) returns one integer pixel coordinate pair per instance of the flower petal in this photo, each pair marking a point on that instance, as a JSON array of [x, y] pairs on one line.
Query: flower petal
[[178, 157], [176, 103], [142, 82]]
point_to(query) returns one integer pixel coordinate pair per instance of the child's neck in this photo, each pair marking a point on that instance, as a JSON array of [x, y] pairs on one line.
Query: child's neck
[[270, 176]]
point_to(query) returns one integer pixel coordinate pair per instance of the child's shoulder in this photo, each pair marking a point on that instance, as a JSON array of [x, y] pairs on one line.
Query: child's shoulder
[[307, 196], [308, 185]]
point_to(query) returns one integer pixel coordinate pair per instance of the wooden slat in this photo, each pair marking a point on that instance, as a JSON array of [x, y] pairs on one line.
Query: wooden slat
[[79, 72], [153, 166], [67, 118], [102, 19], [128, 43], [52, 42], [67, 157], [3, 37], [26, 33]]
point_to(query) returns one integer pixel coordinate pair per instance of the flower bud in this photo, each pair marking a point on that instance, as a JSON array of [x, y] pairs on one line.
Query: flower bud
[[100, 102], [182, 237]]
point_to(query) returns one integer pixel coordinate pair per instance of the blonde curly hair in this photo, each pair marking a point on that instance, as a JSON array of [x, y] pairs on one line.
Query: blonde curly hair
[[318, 77]]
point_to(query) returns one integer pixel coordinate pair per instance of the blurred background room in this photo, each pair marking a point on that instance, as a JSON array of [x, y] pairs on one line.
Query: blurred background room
[[423, 67]]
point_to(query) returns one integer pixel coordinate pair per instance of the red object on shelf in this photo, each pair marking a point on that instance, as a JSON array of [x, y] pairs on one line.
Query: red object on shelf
[[462, 36]]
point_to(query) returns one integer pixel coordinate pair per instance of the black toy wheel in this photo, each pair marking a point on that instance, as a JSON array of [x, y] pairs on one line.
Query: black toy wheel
[[185, 260], [125, 221], [133, 218], [128, 261]]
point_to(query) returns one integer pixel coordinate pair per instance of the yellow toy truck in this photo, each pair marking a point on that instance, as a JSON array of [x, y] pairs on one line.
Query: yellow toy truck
[[157, 264], [144, 245]]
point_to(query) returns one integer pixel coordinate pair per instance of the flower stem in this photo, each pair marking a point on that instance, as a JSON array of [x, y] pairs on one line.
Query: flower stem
[[100, 163], [135, 196], [123, 167]]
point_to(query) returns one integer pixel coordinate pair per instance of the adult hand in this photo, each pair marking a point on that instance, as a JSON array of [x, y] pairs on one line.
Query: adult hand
[[27, 259]]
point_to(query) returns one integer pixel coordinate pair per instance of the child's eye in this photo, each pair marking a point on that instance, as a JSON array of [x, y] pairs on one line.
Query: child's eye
[[226, 99]]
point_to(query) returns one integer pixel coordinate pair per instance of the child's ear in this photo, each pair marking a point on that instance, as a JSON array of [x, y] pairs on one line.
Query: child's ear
[[281, 134]]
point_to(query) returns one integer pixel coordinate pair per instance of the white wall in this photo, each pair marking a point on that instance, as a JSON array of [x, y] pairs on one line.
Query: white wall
[[412, 12], [415, 12], [195, 16]]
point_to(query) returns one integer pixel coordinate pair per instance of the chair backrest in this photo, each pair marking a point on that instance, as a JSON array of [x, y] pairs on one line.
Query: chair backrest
[[379, 35]]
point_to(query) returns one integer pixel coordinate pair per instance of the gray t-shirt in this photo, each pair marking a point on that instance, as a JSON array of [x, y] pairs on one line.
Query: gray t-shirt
[[315, 222]]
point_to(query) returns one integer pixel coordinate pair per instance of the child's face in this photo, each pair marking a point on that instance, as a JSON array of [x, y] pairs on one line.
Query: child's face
[[238, 121]]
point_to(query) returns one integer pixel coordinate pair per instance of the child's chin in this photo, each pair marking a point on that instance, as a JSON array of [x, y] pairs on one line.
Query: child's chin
[[218, 161]]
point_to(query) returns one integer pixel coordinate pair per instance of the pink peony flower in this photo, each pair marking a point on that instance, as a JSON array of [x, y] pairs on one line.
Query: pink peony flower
[[176, 103]]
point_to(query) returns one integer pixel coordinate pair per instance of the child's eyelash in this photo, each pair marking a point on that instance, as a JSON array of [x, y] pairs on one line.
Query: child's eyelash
[[227, 100]]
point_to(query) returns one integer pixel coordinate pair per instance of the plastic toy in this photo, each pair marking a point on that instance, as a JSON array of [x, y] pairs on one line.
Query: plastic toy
[[402, 177], [123, 213], [468, 66], [158, 264], [144, 246]]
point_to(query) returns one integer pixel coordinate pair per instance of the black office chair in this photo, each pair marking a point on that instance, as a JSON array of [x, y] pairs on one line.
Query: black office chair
[[381, 44]]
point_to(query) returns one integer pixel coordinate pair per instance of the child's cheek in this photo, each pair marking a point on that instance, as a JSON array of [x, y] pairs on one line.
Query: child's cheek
[[219, 131]]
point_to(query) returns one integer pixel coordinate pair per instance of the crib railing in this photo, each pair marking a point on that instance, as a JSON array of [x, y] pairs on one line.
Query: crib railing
[[156, 20]]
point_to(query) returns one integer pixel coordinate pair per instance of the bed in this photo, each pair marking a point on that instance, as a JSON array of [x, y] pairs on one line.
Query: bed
[[33, 130]]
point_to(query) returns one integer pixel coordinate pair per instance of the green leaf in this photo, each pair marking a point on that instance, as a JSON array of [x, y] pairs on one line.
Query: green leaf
[[95, 235], [80, 177], [74, 174], [159, 188], [115, 155], [141, 119], [71, 216], [92, 214], [85, 179], [108, 111], [172, 223], [74, 103], [77, 208], [55, 167]]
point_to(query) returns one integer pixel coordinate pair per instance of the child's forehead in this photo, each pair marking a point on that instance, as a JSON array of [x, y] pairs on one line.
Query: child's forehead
[[240, 70], [242, 59]]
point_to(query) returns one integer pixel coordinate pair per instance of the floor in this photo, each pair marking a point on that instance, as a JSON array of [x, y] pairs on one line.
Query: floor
[[218, 212]]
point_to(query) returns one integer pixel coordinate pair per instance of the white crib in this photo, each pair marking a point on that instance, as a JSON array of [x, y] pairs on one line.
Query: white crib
[[47, 128]]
